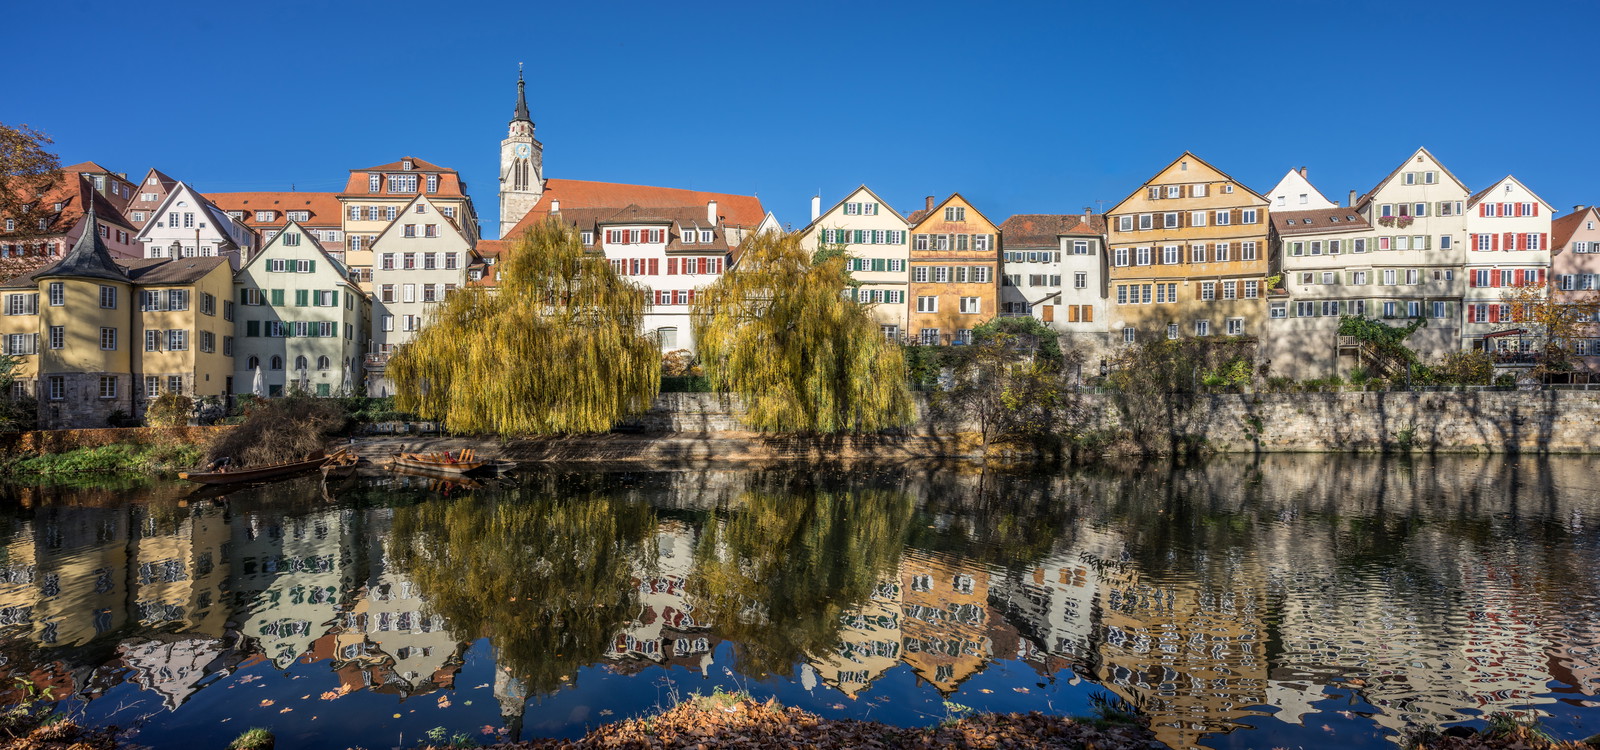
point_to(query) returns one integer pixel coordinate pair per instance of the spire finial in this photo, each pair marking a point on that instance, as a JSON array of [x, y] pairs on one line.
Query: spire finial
[[521, 114]]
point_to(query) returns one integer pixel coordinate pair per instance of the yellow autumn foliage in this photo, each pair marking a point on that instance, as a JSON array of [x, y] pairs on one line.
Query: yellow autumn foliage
[[557, 348], [776, 331]]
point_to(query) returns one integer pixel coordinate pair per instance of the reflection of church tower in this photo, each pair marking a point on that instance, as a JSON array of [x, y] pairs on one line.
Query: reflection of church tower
[[513, 698], [521, 164]]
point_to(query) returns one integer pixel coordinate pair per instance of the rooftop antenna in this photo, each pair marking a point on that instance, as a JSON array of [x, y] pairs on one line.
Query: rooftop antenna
[[1102, 203]]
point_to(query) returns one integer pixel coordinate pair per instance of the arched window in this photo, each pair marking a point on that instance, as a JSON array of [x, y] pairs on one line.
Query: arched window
[[301, 363], [252, 363], [323, 362], [277, 362]]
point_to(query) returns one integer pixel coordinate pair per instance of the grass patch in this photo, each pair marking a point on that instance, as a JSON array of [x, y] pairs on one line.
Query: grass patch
[[118, 457]]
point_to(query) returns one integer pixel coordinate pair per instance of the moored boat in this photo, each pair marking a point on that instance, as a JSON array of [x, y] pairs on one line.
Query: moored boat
[[270, 471], [341, 464], [445, 462]]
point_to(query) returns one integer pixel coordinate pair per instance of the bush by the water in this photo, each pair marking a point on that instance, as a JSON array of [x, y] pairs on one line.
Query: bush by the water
[[118, 457], [281, 429]]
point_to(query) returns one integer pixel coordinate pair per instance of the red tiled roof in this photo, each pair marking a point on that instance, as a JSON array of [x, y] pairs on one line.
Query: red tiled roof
[[71, 189], [324, 207], [449, 180], [735, 210], [1318, 221], [1041, 230], [417, 165], [1562, 229]]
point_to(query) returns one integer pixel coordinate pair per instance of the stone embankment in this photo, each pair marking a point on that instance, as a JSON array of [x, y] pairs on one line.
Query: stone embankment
[[703, 426]]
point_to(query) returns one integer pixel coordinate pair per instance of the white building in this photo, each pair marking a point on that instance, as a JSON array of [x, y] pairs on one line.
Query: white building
[[419, 259], [1508, 245], [188, 225], [876, 239], [1055, 271], [1296, 193]]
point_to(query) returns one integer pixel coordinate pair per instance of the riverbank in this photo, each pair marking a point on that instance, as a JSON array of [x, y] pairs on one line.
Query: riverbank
[[148, 460]]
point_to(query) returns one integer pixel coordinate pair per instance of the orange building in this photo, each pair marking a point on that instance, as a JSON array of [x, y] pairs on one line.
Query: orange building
[[955, 271], [1188, 256]]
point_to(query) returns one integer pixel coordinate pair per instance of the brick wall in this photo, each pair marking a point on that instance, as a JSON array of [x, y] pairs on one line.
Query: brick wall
[[61, 441]]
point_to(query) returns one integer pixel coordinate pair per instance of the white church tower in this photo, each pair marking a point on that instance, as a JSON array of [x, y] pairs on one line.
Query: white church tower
[[521, 165]]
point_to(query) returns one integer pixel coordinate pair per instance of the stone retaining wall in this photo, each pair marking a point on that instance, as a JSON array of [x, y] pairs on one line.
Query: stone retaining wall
[[1480, 421]]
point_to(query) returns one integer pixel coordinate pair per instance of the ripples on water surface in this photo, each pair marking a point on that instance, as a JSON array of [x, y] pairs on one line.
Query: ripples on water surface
[[1298, 601]]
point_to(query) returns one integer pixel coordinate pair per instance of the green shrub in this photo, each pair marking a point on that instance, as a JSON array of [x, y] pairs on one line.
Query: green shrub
[[118, 457], [1359, 375], [685, 384], [1505, 380]]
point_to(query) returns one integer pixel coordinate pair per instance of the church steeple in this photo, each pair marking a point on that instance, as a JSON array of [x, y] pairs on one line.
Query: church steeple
[[521, 115], [521, 163]]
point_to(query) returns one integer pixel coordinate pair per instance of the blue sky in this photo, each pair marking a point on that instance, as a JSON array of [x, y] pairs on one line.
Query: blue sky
[[1021, 107]]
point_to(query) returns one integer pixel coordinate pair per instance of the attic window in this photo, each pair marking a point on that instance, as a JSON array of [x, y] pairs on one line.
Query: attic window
[[406, 164], [1333, 219], [1349, 218], [58, 206], [688, 236], [705, 235]]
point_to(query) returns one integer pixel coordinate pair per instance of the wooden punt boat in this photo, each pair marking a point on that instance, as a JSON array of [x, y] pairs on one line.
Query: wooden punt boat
[[341, 464], [445, 463], [270, 471], [436, 481]]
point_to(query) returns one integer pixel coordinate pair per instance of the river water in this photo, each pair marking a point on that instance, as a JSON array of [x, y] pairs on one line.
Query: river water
[[1295, 601]]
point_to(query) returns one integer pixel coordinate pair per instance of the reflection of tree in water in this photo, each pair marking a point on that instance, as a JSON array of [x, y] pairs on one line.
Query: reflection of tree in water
[[1008, 519], [545, 573], [776, 575]]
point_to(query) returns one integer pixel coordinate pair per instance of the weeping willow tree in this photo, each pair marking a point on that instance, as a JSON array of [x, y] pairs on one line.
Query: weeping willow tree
[[776, 331], [778, 574], [557, 348], [546, 575]]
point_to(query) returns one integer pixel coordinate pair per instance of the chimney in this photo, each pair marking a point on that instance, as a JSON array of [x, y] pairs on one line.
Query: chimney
[[555, 206], [1352, 203], [927, 203], [1302, 171], [1579, 207], [1086, 214], [816, 207], [711, 212]]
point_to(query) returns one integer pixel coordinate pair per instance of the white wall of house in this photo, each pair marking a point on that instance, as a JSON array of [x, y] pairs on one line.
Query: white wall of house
[[1508, 240], [419, 259], [1296, 193], [198, 227], [878, 242], [672, 277]]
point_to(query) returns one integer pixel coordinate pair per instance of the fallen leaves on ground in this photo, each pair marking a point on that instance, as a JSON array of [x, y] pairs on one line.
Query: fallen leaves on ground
[[751, 725]]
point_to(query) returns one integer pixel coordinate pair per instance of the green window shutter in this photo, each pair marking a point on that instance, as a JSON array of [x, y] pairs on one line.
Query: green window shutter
[[299, 298], [313, 266], [277, 297], [878, 264], [252, 328], [243, 295]]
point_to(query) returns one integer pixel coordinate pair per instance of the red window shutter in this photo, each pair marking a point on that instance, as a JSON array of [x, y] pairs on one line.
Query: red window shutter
[[1536, 208], [691, 296], [1494, 313], [1494, 278], [1519, 209], [1541, 271], [1472, 278], [1511, 240], [1494, 239], [655, 267], [1544, 237], [1483, 209], [1474, 240], [672, 266], [702, 265]]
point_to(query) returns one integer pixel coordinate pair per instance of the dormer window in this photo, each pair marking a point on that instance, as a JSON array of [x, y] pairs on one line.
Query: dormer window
[[299, 216], [374, 182], [264, 215], [406, 164], [239, 215], [433, 183], [588, 238], [705, 235], [59, 205], [688, 236], [402, 183]]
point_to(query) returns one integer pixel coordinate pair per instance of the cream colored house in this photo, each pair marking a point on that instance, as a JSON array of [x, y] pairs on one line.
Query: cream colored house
[[1055, 271], [375, 197], [1575, 267], [876, 238], [420, 258], [1325, 259], [300, 320]]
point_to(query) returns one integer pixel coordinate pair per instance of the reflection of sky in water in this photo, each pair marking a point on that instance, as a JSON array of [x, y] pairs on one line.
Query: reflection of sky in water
[[1301, 601]]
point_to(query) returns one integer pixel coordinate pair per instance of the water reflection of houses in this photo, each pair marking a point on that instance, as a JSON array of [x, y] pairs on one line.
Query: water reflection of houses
[[869, 642], [944, 622], [668, 629], [385, 641], [289, 575]]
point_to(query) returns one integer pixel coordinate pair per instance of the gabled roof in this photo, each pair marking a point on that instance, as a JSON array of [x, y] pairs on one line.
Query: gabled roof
[[926, 214], [277, 241], [735, 210], [1042, 230], [394, 226], [87, 167], [88, 258], [1181, 157], [1367, 196], [1473, 201], [1562, 229], [219, 219], [1295, 182], [417, 165], [72, 188], [157, 271], [1318, 221], [846, 199], [325, 208]]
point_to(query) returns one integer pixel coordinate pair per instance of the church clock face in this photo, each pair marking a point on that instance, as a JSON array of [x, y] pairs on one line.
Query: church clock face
[[522, 150]]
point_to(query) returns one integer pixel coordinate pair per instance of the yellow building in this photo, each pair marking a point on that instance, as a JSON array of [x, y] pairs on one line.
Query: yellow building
[[1188, 256], [955, 272], [96, 336]]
